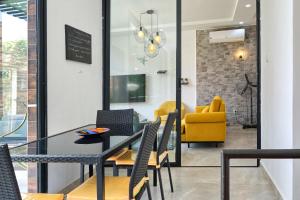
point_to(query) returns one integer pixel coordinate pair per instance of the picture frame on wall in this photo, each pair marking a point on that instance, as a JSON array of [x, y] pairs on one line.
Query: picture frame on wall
[[78, 45]]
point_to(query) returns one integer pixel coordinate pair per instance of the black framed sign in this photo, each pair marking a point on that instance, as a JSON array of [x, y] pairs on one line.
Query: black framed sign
[[78, 45]]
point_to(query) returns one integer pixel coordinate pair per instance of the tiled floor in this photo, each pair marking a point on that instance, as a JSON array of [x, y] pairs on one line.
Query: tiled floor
[[205, 182], [209, 155], [197, 183]]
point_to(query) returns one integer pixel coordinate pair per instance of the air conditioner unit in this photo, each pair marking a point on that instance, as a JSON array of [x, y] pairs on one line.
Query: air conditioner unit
[[236, 35]]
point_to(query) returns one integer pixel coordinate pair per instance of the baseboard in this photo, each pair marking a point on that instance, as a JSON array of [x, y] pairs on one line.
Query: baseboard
[[267, 174]]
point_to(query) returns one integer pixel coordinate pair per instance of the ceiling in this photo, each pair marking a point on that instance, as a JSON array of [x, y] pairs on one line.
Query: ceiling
[[196, 14]]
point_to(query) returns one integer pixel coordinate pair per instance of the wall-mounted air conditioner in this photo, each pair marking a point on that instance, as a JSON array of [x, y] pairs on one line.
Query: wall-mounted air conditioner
[[236, 35]]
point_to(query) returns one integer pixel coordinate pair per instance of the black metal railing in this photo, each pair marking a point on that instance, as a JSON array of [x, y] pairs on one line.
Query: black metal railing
[[227, 155]]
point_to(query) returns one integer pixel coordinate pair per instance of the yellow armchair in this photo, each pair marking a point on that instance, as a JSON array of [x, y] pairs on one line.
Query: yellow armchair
[[207, 124], [167, 107]]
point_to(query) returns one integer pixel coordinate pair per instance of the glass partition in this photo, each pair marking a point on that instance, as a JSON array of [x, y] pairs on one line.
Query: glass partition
[[143, 60]]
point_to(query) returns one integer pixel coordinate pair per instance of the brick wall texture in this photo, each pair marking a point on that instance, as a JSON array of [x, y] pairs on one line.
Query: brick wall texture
[[221, 72], [32, 91]]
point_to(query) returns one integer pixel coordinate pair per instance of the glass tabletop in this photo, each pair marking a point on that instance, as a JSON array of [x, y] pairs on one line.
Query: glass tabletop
[[69, 143]]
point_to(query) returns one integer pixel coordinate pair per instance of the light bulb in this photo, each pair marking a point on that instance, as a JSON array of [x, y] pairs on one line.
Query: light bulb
[[141, 34], [151, 49], [157, 38]]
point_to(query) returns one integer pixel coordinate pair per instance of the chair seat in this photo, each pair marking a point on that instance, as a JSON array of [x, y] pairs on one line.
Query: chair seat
[[42, 196], [117, 155], [116, 188], [128, 159]]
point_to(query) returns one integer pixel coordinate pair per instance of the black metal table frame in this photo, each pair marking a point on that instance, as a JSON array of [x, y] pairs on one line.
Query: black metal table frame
[[92, 159], [227, 155]]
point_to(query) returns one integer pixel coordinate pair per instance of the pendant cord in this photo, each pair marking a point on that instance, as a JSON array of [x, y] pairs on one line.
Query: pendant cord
[[151, 23], [157, 23], [140, 20]]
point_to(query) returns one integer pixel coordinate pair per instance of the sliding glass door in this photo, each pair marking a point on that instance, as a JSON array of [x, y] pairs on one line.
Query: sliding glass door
[[18, 69], [143, 71]]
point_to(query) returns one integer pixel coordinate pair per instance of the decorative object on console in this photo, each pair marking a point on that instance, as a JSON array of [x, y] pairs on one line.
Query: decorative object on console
[[162, 72], [153, 40], [143, 60], [184, 81]]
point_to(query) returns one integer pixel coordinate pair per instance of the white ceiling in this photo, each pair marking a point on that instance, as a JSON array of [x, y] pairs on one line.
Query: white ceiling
[[197, 14]]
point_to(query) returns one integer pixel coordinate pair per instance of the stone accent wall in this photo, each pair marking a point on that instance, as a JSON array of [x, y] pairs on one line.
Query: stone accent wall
[[221, 72]]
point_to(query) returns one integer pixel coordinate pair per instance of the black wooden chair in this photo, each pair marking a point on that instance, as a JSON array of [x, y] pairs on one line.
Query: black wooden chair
[[157, 159], [117, 187], [9, 189]]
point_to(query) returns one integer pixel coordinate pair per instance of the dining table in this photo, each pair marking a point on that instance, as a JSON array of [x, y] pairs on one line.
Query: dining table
[[71, 147]]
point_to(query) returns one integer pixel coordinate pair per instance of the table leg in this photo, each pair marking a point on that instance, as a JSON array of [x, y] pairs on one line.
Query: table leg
[[81, 173], [91, 170], [106, 143], [155, 171], [100, 181]]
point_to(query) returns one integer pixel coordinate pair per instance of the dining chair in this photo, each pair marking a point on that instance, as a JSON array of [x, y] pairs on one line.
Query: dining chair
[[120, 122], [9, 189], [157, 158], [124, 187]]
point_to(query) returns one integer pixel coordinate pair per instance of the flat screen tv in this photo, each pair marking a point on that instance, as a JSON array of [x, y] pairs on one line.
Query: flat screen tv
[[128, 88]]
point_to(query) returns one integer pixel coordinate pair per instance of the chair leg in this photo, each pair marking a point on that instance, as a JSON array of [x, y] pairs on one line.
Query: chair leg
[[170, 175], [115, 170], [189, 145], [154, 177], [161, 185], [148, 190], [129, 171]]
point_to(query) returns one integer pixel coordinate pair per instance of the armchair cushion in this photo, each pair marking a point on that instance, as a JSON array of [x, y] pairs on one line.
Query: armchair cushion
[[215, 104], [199, 109], [205, 117], [116, 188], [205, 110], [42, 196]]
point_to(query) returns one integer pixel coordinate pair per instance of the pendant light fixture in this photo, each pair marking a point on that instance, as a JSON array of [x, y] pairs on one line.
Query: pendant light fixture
[[152, 41], [141, 33], [151, 47], [159, 36]]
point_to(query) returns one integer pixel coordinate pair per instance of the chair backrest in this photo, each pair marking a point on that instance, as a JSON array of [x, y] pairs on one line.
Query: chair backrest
[[9, 189], [141, 163], [120, 122], [163, 144]]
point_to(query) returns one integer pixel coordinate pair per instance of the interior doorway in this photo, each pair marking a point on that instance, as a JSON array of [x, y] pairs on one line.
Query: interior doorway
[[220, 69]]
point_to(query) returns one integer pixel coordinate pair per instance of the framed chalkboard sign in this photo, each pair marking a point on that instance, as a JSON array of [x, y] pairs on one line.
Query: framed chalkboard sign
[[78, 45]]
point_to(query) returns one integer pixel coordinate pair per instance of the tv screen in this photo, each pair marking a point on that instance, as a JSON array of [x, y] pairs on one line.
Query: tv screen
[[128, 88]]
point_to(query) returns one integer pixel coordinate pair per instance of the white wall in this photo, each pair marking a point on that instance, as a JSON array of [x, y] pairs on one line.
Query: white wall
[[159, 87], [277, 89], [189, 69], [296, 102], [74, 89]]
